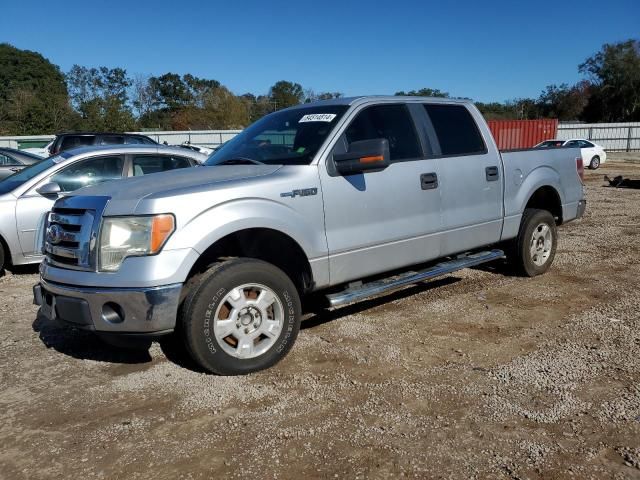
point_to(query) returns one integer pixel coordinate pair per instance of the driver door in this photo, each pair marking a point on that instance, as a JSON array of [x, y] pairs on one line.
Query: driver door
[[32, 208], [382, 220]]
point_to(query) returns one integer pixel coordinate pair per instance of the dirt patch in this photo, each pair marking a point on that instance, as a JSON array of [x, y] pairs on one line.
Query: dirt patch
[[480, 375]]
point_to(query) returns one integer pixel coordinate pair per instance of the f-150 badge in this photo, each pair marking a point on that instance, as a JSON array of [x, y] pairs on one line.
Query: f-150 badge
[[304, 192]]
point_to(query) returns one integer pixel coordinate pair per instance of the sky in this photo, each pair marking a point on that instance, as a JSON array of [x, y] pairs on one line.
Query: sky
[[486, 50]]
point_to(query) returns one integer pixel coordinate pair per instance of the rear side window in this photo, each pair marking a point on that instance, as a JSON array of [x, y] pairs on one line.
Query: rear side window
[[146, 164], [392, 122], [111, 140], [456, 130], [73, 141]]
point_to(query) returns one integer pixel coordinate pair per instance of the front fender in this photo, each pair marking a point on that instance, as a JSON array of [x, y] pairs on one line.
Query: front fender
[[223, 219]]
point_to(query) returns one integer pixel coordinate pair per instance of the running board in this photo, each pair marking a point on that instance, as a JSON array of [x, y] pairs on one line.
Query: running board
[[354, 294]]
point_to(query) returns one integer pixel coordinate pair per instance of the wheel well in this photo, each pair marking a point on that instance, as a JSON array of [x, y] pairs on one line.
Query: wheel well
[[7, 252], [547, 198], [264, 244]]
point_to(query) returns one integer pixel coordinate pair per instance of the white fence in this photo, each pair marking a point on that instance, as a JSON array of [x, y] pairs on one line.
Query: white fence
[[620, 137], [209, 138], [612, 136]]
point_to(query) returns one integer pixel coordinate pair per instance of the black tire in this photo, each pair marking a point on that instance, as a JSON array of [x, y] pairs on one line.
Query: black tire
[[595, 163], [209, 295], [2, 257], [520, 255]]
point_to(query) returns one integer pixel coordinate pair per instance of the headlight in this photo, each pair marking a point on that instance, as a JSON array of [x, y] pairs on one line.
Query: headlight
[[124, 237]]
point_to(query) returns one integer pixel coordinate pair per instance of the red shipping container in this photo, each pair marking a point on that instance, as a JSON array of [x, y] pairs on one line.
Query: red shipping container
[[512, 134]]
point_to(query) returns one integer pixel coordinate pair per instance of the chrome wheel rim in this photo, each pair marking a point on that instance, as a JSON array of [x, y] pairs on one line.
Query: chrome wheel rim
[[541, 243], [248, 321]]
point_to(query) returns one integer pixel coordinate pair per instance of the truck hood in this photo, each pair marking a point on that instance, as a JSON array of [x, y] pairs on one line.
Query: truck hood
[[175, 182]]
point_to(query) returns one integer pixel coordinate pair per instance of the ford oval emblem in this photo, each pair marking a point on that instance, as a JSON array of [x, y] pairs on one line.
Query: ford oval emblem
[[54, 234]]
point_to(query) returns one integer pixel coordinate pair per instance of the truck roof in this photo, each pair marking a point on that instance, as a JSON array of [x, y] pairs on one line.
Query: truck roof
[[352, 101]]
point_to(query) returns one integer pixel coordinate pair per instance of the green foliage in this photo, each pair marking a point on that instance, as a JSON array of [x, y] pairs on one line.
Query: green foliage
[[101, 97], [285, 94], [424, 92], [35, 97], [33, 94], [614, 73]]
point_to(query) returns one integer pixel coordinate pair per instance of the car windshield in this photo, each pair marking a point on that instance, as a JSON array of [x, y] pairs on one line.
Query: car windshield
[[14, 181], [288, 137]]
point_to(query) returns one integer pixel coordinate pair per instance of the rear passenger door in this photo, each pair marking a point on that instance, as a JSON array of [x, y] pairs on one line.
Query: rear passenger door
[[470, 178], [381, 220]]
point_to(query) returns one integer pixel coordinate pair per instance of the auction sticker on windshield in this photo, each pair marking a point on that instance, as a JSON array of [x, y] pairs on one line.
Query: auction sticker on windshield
[[318, 117]]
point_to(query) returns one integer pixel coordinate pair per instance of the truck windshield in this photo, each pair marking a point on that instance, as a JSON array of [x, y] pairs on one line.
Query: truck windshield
[[14, 181], [288, 137]]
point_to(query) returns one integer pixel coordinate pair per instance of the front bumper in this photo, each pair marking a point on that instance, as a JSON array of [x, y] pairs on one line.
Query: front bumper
[[582, 206], [110, 310]]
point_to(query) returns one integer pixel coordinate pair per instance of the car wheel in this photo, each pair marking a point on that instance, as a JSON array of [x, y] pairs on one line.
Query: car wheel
[[535, 245], [241, 316], [1, 258], [595, 163]]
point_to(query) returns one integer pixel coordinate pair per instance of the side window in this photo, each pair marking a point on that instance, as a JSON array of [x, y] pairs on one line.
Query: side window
[[111, 140], [147, 141], [585, 144], [392, 122], [73, 141], [89, 172], [572, 143], [456, 130], [7, 161], [146, 164], [133, 141]]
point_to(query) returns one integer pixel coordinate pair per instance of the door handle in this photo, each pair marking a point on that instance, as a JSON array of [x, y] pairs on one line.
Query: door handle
[[492, 173], [429, 181], [15, 169]]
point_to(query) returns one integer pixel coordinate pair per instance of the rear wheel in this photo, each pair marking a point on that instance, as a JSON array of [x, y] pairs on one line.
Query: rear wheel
[[595, 163], [242, 316], [535, 247]]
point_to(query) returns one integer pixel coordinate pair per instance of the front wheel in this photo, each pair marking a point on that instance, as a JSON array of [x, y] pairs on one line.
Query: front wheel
[[535, 247], [241, 316], [595, 163], [1, 258]]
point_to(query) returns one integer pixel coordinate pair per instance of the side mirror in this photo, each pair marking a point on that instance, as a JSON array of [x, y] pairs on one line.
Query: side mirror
[[363, 156], [51, 189]]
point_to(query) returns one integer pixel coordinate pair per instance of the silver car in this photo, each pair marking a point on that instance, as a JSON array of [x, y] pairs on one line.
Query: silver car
[[27, 196]]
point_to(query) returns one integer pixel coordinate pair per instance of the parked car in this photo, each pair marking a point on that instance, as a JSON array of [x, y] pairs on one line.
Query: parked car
[[198, 148], [67, 141], [27, 196], [593, 155], [12, 161], [43, 152], [325, 197]]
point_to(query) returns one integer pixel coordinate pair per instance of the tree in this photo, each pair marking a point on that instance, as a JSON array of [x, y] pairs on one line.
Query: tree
[[564, 102], [285, 94], [33, 94], [311, 96], [424, 92], [101, 96], [614, 73]]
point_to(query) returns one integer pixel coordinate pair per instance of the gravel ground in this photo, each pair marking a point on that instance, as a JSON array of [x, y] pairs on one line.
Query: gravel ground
[[476, 375]]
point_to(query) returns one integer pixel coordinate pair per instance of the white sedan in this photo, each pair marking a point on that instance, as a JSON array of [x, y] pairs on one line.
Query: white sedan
[[592, 155]]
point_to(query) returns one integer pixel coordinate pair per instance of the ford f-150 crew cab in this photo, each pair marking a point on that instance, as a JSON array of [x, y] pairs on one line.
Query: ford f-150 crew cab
[[350, 197]]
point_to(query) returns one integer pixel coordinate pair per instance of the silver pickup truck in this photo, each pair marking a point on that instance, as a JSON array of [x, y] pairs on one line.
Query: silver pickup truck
[[350, 197]]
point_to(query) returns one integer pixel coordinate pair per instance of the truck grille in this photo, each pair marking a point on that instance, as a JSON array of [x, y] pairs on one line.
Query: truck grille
[[68, 238], [71, 231]]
